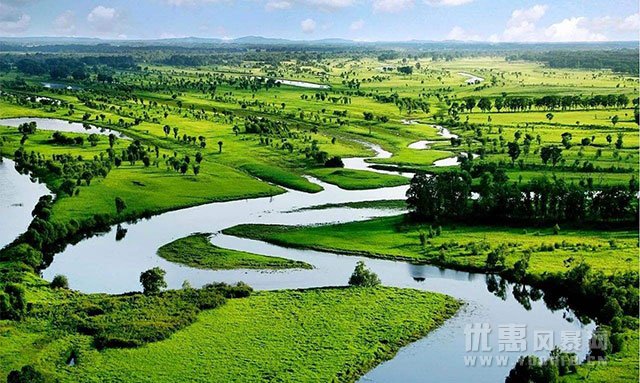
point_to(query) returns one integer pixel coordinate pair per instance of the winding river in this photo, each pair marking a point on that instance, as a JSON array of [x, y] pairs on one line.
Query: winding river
[[103, 264]]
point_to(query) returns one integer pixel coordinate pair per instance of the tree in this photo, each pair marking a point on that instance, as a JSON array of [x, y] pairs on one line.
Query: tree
[[441, 195], [615, 119], [368, 116], [484, 104], [167, 130], [566, 139], [619, 141], [529, 369], [550, 153], [120, 205], [514, 151], [152, 280], [27, 374], [363, 277], [496, 257], [13, 302], [59, 282], [93, 139], [470, 103], [112, 140], [175, 132], [549, 116], [220, 146]]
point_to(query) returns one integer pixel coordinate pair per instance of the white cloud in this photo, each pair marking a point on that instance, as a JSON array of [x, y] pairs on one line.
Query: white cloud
[[65, 23], [392, 6], [573, 29], [523, 27], [522, 24], [278, 5], [325, 5], [104, 19], [18, 25], [458, 33], [357, 25], [179, 3], [447, 3], [330, 4], [11, 20], [308, 26], [630, 23]]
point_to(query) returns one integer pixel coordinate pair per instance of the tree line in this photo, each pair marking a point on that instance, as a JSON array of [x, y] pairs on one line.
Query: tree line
[[448, 195], [546, 103]]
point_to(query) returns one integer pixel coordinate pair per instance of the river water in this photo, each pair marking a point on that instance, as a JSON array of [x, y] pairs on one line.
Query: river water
[[104, 264]]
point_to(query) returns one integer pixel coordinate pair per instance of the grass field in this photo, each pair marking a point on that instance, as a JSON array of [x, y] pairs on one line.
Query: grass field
[[256, 142], [459, 245], [357, 179], [197, 251], [317, 335]]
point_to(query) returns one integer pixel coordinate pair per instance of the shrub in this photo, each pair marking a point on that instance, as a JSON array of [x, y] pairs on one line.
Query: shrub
[[13, 303], [363, 277], [27, 374], [334, 162], [152, 280], [59, 282], [23, 253]]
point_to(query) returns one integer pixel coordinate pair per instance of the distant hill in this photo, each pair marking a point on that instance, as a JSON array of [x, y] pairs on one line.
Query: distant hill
[[202, 42]]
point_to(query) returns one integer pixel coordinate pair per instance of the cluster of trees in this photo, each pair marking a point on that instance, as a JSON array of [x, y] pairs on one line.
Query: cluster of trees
[[407, 104], [60, 139], [182, 165], [549, 102], [530, 369], [73, 170], [61, 68], [261, 125], [448, 195], [619, 60]]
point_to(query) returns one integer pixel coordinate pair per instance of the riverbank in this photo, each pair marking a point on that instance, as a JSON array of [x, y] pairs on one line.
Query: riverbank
[[197, 251], [460, 246]]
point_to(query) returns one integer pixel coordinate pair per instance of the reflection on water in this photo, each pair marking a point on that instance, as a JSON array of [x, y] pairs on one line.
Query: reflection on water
[[18, 196], [60, 125]]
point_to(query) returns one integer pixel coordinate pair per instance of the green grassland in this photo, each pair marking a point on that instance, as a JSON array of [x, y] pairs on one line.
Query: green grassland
[[460, 246], [619, 367], [357, 179], [197, 251], [317, 335], [144, 189], [320, 334]]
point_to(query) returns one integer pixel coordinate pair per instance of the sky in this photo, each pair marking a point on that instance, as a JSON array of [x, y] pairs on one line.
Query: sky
[[361, 20]]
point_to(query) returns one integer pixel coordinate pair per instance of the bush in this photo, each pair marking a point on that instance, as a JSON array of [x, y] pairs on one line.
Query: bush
[[363, 277], [334, 162], [152, 280], [59, 282], [529, 369], [27, 374], [13, 303], [23, 253]]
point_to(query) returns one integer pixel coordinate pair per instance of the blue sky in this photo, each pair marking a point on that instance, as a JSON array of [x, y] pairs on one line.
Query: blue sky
[[367, 20]]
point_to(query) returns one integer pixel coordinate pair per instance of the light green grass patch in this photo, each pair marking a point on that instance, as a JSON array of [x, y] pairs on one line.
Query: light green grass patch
[[357, 179], [197, 251], [313, 335]]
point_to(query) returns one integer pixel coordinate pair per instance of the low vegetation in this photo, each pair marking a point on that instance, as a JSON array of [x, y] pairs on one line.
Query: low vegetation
[[197, 251]]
